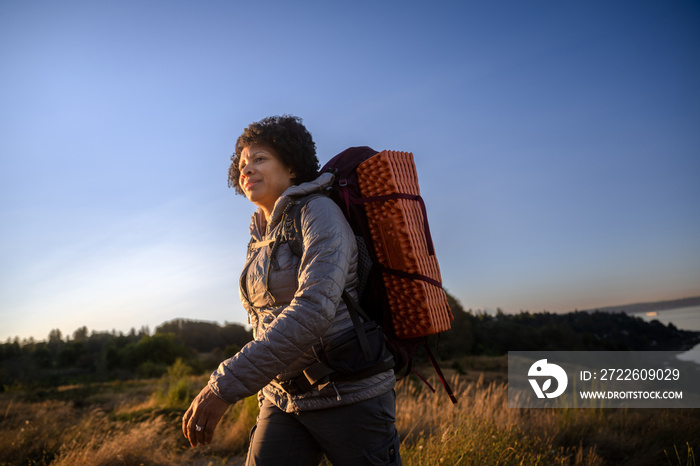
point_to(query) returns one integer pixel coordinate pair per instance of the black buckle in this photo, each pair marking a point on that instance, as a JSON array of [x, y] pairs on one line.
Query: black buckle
[[292, 386]]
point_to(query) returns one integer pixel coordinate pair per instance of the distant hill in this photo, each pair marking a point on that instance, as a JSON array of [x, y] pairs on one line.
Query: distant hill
[[650, 307]]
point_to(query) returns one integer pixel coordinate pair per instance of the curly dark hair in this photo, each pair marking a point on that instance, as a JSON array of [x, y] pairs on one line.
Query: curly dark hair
[[288, 136]]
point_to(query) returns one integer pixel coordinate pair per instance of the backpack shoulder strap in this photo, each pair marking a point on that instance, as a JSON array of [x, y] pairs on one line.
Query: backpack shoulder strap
[[292, 234], [291, 231]]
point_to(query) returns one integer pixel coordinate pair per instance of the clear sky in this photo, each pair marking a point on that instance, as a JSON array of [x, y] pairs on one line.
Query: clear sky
[[557, 145]]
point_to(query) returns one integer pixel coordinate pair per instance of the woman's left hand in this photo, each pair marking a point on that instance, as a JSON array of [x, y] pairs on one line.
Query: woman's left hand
[[202, 417]]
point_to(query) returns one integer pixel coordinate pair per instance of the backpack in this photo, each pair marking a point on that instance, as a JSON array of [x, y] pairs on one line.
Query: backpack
[[382, 288]]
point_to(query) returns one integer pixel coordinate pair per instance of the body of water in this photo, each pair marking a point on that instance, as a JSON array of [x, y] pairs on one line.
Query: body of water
[[684, 318]]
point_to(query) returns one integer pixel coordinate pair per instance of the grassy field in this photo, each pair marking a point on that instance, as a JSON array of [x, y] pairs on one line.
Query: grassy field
[[139, 423]]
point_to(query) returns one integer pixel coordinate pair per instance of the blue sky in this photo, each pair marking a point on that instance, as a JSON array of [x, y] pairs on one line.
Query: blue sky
[[557, 146]]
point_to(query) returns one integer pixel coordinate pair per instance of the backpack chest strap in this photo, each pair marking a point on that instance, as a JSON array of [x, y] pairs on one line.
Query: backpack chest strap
[[260, 244]]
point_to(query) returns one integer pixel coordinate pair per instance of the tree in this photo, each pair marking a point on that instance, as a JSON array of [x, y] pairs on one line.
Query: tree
[[80, 334]]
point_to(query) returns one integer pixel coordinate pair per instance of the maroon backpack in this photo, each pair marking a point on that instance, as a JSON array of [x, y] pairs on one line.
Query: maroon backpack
[[373, 302]]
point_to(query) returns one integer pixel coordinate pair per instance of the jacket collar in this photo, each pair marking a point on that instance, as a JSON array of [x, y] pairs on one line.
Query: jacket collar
[[323, 182]]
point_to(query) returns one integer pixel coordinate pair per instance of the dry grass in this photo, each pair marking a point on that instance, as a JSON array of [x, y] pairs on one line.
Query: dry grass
[[481, 429], [139, 423], [149, 443], [32, 432]]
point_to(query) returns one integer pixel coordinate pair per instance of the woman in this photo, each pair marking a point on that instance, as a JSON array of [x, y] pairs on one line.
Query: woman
[[295, 307]]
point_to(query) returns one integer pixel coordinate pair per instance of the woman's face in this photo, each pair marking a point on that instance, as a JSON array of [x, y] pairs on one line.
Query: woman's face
[[263, 176]]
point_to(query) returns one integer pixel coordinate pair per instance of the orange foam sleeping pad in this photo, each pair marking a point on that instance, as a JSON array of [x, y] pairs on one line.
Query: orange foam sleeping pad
[[418, 308]]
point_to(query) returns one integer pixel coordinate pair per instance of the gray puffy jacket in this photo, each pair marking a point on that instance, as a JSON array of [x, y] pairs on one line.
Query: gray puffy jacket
[[299, 310]]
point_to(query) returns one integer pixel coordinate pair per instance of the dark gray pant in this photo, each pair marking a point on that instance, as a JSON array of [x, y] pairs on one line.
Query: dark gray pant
[[357, 434]]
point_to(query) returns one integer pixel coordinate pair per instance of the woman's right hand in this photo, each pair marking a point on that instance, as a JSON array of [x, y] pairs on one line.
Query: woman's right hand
[[202, 417]]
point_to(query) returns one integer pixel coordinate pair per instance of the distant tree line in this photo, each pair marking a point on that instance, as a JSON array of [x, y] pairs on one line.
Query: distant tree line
[[487, 334], [104, 356]]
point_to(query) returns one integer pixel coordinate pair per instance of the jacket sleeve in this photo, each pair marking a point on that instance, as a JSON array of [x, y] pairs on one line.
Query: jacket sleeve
[[329, 248]]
